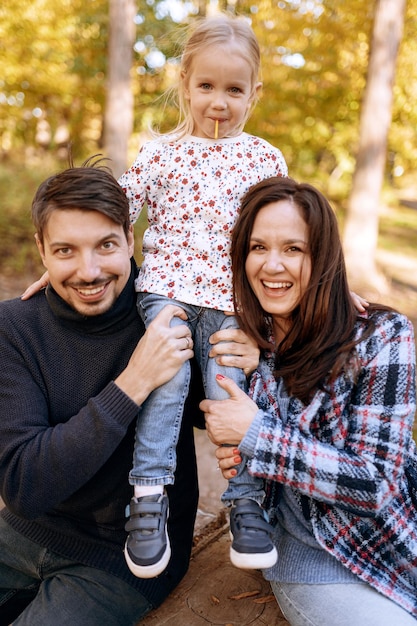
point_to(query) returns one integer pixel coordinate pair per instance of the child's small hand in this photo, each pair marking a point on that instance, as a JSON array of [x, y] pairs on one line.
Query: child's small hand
[[36, 286], [360, 303]]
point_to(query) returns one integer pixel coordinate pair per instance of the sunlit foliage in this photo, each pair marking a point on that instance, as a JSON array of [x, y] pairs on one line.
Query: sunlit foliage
[[315, 54]]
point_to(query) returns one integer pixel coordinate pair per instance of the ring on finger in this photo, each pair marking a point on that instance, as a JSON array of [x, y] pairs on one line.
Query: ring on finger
[[188, 340]]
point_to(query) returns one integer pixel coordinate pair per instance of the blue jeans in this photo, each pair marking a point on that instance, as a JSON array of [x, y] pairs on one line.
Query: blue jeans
[[40, 588], [344, 604], [159, 421]]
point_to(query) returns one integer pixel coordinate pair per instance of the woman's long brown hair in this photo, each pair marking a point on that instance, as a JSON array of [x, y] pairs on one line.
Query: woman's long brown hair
[[321, 334]]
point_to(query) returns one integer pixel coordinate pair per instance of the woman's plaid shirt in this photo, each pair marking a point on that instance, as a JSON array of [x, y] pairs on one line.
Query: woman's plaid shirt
[[347, 453]]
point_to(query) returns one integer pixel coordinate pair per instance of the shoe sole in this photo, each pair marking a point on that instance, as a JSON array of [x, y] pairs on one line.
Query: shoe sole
[[149, 571], [258, 560]]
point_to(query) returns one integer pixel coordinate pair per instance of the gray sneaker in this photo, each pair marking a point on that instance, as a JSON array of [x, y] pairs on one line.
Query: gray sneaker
[[252, 547], [147, 549]]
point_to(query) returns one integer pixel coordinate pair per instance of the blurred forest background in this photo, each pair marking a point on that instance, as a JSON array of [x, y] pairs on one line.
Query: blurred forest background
[[339, 99]]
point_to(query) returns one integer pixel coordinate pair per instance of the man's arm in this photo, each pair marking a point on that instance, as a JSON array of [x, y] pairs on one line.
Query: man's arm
[[45, 459]]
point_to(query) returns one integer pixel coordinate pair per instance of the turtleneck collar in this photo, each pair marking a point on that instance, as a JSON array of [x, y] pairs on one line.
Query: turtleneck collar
[[118, 316]]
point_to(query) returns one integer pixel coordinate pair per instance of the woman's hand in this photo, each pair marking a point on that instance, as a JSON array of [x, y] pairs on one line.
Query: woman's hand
[[227, 458], [233, 348], [36, 286], [228, 420]]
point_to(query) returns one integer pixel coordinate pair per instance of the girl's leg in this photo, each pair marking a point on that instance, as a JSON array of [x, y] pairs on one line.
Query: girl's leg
[[148, 549], [159, 420], [252, 546], [243, 485], [211, 322]]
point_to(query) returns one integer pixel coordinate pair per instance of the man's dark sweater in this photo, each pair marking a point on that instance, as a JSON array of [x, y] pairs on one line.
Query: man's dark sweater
[[67, 434]]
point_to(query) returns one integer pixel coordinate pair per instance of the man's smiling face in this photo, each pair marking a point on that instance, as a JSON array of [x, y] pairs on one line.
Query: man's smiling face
[[87, 256]]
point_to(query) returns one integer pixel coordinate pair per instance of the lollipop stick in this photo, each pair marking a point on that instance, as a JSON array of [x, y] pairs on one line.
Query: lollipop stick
[[216, 129]]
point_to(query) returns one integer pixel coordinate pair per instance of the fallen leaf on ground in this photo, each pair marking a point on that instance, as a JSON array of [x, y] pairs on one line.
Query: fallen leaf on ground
[[265, 599], [244, 594]]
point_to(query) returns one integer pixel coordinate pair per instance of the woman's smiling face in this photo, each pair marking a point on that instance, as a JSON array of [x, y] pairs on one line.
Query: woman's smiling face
[[278, 265]]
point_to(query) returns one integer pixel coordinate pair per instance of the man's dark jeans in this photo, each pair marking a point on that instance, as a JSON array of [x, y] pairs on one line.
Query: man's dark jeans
[[51, 590]]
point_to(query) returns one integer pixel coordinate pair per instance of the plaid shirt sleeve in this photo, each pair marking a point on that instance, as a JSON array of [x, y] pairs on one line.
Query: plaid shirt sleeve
[[348, 446]]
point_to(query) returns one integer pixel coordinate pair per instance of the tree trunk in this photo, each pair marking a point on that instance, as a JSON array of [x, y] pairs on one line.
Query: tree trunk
[[118, 122], [361, 228]]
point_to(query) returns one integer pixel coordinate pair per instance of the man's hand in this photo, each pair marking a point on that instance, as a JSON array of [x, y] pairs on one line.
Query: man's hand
[[360, 303], [158, 356]]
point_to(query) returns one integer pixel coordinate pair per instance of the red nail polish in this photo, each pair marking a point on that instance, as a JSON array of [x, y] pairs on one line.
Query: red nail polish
[[220, 377]]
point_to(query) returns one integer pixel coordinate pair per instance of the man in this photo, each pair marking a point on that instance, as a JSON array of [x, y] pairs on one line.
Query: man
[[75, 366]]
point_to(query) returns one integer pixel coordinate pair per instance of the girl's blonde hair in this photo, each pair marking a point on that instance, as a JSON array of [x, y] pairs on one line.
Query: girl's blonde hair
[[221, 29]]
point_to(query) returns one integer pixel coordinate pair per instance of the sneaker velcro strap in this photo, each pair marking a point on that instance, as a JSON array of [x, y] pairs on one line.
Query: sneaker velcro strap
[[249, 508], [145, 508], [147, 524], [249, 522], [145, 516]]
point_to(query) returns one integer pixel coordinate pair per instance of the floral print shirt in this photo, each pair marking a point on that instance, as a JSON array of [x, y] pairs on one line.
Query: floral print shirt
[[192, 188]]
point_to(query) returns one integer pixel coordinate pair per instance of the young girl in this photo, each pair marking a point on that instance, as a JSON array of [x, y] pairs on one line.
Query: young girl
[[192, 180]]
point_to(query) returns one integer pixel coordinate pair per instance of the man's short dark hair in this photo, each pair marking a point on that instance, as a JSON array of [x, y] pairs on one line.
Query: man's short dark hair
[[90, 187]]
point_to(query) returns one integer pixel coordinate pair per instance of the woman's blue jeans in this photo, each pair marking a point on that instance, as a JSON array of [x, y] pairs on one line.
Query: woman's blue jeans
[[159, 420], [344, 604], [40, 588]]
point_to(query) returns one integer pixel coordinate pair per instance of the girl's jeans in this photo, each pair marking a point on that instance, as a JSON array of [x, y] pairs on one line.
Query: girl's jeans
[[159, 420]]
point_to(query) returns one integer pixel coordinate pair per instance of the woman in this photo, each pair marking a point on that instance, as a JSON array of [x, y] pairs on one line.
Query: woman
[[328, 423]]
